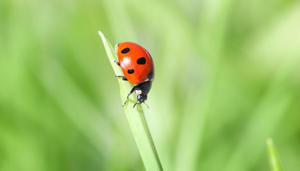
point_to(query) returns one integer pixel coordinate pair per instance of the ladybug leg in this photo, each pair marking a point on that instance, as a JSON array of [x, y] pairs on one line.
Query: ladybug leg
[[117, 62], [135, 104], [131, 91], [123, 77]]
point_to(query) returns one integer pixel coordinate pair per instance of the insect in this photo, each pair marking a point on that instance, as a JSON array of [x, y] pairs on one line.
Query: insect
[[138, 68]]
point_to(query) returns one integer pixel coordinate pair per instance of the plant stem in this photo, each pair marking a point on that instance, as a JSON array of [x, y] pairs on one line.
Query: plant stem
[[135, 117]]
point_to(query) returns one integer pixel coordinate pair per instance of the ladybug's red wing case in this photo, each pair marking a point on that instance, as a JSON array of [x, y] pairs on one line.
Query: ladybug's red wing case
[[135, 61], [137, 66]]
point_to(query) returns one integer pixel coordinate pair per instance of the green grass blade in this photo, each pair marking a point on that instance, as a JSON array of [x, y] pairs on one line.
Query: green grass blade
[[273, 157], [135, 117]]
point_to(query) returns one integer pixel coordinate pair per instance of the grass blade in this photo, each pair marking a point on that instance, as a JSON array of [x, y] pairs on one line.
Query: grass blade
[[273, 157], [135, 117]]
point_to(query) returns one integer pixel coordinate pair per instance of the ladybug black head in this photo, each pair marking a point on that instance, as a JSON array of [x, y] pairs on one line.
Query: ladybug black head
[[141, 91], [141, 98]]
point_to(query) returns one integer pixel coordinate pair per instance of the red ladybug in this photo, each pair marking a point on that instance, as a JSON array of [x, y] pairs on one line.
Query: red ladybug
[[137, 66]]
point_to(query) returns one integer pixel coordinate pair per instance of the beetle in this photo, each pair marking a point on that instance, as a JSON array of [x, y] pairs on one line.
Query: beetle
[[138, 68]]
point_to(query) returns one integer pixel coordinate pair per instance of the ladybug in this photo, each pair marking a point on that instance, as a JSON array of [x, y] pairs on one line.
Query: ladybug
[[138, 68]]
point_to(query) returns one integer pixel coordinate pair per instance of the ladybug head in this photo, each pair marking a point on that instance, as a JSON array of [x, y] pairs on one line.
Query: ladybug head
[[141, 98]]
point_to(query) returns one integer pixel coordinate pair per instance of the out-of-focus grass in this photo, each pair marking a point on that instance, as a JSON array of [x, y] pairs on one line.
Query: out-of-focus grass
[[227, 77]]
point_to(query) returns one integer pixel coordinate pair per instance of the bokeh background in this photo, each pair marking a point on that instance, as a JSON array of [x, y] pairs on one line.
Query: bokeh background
[[227, 78]]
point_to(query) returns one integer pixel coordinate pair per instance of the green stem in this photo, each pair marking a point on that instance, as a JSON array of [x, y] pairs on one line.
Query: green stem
[[135, 117]]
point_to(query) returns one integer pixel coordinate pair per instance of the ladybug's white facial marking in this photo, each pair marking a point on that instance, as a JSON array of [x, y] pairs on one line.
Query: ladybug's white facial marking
[[138, 92]]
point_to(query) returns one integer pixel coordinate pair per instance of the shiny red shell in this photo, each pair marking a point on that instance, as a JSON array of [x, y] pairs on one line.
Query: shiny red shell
[[136, 62]]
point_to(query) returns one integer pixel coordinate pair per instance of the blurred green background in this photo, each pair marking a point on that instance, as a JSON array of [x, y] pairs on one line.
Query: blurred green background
[[227, 77]]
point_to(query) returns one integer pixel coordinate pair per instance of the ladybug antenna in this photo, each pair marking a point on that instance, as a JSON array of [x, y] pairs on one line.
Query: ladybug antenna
[[125, 102]]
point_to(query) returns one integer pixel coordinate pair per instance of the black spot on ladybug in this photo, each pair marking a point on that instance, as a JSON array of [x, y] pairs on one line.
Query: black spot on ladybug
[[130, 71], [141, 61], [150, 75], [125, 50], [118, 44]]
